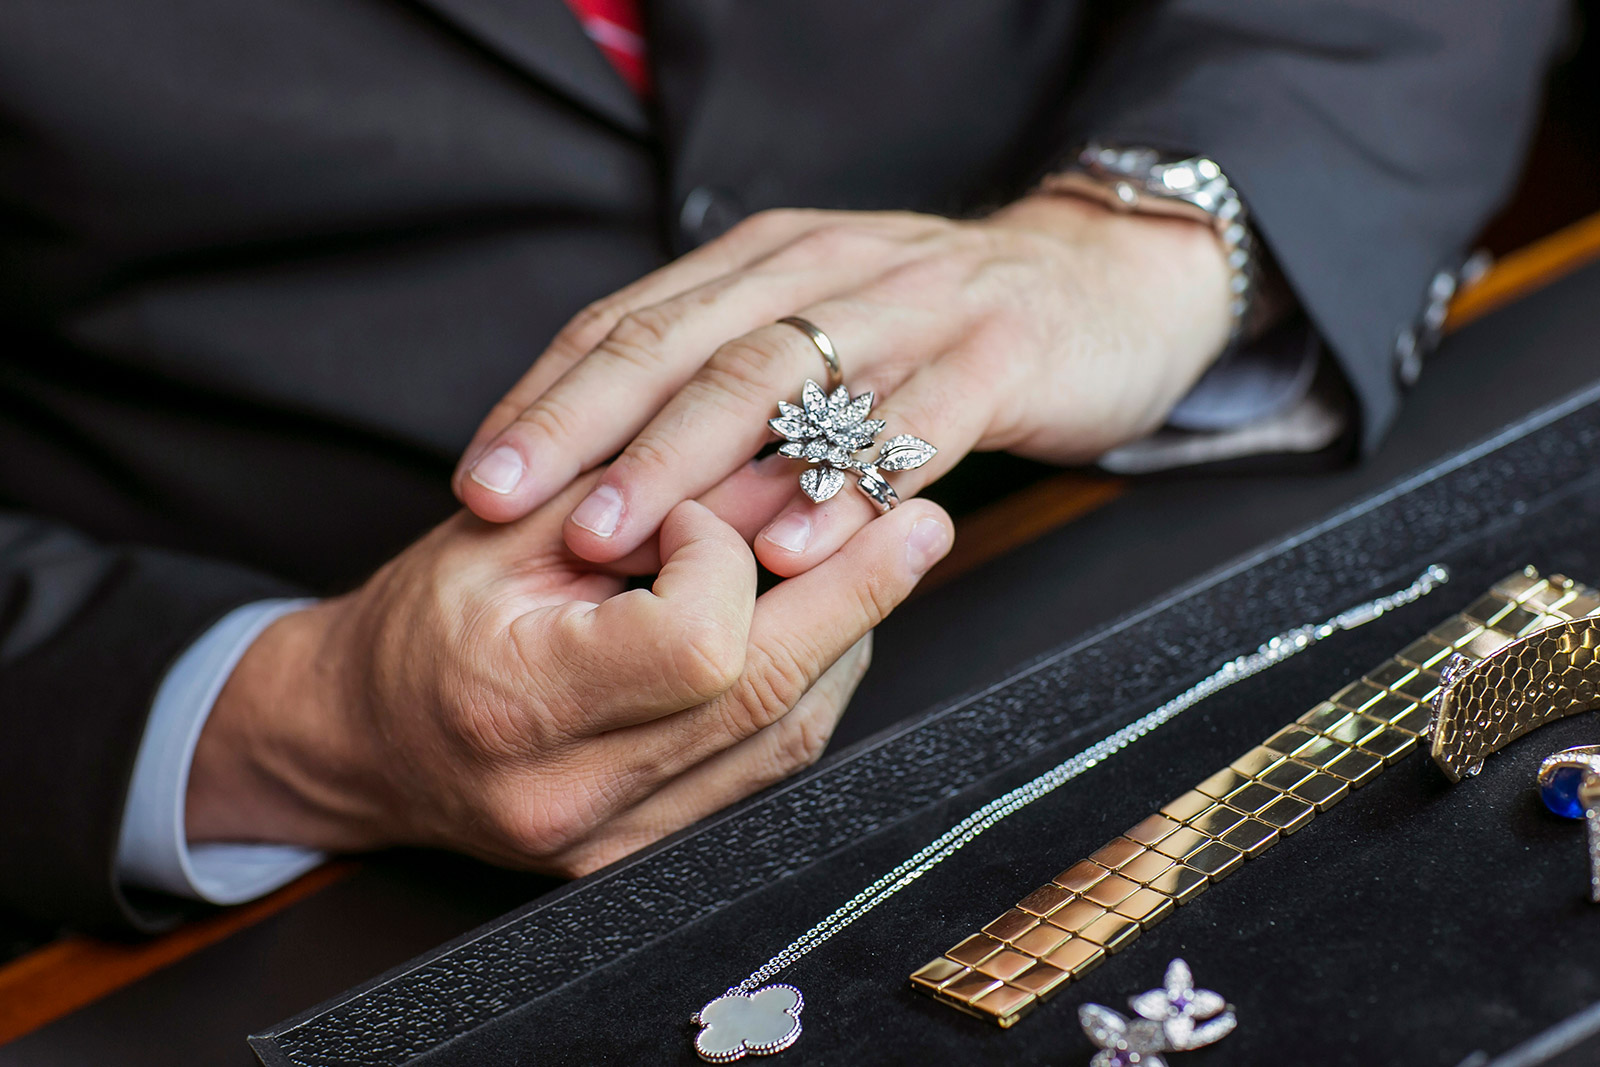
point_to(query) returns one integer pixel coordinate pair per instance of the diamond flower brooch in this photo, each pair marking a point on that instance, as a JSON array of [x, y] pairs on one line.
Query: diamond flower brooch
[[1175, 1018]]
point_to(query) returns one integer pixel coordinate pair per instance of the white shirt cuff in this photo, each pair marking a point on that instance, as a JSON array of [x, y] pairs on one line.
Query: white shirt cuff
[[153, 850], [1261, 399]]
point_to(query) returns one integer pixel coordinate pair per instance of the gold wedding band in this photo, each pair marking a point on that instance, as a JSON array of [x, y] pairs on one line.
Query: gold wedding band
[[824, 346]]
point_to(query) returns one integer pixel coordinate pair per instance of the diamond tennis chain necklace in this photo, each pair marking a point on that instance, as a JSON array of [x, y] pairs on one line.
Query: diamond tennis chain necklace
[[751, 1020]]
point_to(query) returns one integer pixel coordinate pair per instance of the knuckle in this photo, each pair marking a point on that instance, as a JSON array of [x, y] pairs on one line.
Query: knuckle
[[838, 240], [993, 346], [740, 370], [587, 328], [766, 696], [921, 278], [651, 452], [540, 825], [481, 736], [474, 719], [552, 417], [766, 224], [488, 734], [1005, 328], [640, 336], [801, 741], [708, 656], [564, 636], [877, 597]]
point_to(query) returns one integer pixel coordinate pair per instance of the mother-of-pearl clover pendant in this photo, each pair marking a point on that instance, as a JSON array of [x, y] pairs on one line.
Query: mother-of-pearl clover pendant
[[827, 431], [755, 1024]]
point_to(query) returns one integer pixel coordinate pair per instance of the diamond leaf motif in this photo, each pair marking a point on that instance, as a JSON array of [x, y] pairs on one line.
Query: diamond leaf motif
[[1113, 1058], [1122, 1042], [792, 449], [839, 400], [1206, 1003], [1104, 1026], [1213, 1029], [794, 428], [904, 452], [1153, 1004], [1188, 1017], [1179, 979], [859, 408], [814, 400], [821, 483], [857, 435]]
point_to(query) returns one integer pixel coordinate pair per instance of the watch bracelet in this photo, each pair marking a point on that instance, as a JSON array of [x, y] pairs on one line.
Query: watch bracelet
[[1098, 906], [1105, 173]]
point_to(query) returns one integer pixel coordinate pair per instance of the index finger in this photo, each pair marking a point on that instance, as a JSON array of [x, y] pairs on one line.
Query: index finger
[[750, 240]]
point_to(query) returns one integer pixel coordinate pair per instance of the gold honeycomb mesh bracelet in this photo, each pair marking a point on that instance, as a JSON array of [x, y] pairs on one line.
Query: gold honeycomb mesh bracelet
[[1098, 906]]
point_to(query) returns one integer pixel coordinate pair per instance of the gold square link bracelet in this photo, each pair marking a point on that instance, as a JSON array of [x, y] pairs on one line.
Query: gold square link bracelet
[[1520, 656]]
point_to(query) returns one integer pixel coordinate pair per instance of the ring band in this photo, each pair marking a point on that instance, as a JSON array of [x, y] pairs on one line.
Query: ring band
[[824, 345]]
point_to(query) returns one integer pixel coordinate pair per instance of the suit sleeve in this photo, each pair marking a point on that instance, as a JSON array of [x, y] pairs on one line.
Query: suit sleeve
[[87, 632], [1370, 140]]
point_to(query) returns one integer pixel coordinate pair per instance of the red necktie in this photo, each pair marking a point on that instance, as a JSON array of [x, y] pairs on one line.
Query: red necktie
[[618, 28]]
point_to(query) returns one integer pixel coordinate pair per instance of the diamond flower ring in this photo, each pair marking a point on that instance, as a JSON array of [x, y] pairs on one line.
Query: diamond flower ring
[[827, 431]]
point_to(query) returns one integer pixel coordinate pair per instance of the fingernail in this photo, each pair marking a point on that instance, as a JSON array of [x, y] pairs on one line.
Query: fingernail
[[926, 544], [791, 533], [499, 471], [600, 511]]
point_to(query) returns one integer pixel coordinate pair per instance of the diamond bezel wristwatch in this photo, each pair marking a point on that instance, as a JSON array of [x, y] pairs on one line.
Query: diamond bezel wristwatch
[[1142, 180]]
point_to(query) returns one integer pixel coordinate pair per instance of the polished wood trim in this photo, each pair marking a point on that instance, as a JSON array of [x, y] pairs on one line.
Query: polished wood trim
[[66, 975], [1518, 273], [77, 970], [1024, 516]]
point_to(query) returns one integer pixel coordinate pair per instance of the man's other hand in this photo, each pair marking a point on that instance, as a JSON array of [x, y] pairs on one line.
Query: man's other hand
[[488, 691]]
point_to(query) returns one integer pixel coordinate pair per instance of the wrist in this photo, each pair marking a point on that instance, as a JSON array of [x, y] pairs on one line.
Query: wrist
[[1179, 257], [275, 762], [1158, 284]]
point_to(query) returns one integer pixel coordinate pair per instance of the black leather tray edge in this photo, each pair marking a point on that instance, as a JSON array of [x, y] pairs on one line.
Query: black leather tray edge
[[341, 1020]]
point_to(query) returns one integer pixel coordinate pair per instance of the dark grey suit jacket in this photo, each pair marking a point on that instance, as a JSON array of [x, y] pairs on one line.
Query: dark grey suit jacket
[[264, 265]]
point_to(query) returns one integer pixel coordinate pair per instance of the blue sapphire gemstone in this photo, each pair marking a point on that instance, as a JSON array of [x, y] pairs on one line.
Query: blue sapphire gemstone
[[1559, 791]]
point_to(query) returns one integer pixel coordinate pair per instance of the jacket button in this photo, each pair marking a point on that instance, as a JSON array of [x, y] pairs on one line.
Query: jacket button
[[1407, 357], [707, 213]]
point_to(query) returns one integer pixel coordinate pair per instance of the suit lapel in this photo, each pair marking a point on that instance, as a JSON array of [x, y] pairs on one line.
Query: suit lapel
[[543, 38]]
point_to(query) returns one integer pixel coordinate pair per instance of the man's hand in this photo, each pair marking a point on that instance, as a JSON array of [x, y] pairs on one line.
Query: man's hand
[[487, 692], [1055, 329]]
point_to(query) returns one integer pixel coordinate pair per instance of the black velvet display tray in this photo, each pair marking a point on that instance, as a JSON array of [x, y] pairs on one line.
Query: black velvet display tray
[[1417, 922]]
